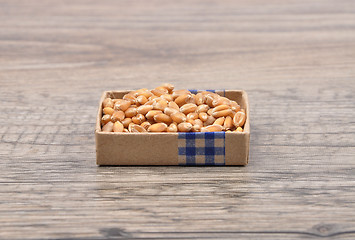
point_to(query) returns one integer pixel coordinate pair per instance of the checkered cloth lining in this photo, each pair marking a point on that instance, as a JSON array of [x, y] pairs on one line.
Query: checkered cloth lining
[[221, 92], [201, 148]]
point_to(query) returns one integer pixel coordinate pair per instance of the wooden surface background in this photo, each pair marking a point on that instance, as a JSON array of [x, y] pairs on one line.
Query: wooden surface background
[[296, 60]]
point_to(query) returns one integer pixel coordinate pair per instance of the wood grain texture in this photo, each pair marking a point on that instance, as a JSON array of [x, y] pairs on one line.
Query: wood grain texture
[[294, 58]]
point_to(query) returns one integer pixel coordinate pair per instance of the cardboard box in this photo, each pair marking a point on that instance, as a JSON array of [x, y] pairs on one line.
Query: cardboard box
[[219, 148]]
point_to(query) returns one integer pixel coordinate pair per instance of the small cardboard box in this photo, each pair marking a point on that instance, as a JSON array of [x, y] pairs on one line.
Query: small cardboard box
[[219, 148]]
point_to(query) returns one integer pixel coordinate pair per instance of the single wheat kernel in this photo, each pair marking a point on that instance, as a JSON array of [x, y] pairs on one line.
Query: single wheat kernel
[[160, 105], [239, 129], [108, 127], [129, 97], [212, 128], [135, 120], [139, 119], [159, 91], [131, 112], [161, 117], [185, 127], [136, 128], [209, 100], [210, 120], [144, 92], [219, 121], [178, 93], [158, 127], [139, 92], [146, 125], [172, 128], [118, 127], [220, 108], [202, 108], [126, 122], [117, 116], [122, 105], [182, 99], [168, 111], [215, 95], [203, 116], [191, 99], [105, 119], [222, 113], [142, 99], [130, 126], [108, 110], [178, 117], [228, 123], [169, 87], [147, 94], [107, 103], [173, 105], [150, 115], [239, 119], [144, 109], [192, 115], [196, 128], [235, 106], [200, 99], [198, 122], [188, 108], [167, 97], [221, 101], [125, 130], [163, 89], [215, 101]]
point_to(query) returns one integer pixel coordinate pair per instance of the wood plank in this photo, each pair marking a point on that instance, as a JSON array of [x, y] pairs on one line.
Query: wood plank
[[295, 59]]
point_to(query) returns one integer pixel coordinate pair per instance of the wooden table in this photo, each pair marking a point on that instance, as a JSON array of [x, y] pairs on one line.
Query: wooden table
[[296, 60]]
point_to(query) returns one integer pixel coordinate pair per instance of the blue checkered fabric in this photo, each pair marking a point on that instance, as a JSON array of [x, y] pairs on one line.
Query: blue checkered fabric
[[194, 91], [201, 148]]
